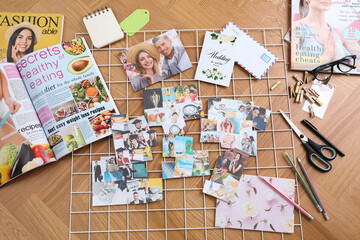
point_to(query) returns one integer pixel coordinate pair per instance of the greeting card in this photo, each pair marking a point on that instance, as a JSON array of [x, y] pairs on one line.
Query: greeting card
[[217, 59], [257, 207]]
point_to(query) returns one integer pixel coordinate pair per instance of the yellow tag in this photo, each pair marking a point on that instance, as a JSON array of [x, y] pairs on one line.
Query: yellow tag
[[135, 21]]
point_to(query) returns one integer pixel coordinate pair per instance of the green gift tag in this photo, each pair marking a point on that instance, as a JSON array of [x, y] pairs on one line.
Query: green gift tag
[[135, 21]]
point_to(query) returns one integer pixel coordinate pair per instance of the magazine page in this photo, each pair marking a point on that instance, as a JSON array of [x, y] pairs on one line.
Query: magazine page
[[324, 32], [69, 95], [23, 33], [23, 144]]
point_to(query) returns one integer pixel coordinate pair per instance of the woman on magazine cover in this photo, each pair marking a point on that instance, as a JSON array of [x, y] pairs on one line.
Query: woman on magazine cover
[[313, 32], [145, 58], [21, 39]]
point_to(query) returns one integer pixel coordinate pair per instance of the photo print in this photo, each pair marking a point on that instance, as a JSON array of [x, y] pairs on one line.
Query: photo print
[[187, 166], [249, 142], [155, 60], [226, 175], [261, 117], [131, 145], [116, 185], [178, 146], [170, 107]]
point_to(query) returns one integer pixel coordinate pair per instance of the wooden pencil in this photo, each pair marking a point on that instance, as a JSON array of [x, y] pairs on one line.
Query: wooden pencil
[[288, 199], [312, 188], [304, 183]]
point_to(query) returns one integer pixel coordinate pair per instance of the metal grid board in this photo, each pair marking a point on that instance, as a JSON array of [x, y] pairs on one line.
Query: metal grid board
[[185, 212]]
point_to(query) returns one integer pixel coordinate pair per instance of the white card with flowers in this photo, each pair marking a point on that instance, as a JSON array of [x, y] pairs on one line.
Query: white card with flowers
[[217, 59], [257, 207]]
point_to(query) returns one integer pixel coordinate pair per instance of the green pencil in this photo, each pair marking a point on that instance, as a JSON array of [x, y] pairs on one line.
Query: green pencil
[[304, 183]]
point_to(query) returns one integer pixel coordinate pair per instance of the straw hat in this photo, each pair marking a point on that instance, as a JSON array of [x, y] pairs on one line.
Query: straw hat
[[142, 46], [36, 30]]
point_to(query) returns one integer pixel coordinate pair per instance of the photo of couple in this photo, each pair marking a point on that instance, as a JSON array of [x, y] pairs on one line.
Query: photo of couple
[[154, 60]]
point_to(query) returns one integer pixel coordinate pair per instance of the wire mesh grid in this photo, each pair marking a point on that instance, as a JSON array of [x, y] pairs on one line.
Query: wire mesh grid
[[185, 212]]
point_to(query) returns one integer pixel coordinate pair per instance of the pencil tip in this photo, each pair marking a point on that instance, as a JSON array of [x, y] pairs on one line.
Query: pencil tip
[[326, 216], [311, 217]]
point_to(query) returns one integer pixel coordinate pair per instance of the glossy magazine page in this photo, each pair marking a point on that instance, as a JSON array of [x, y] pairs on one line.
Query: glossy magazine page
[[324, 31], [69, 95]]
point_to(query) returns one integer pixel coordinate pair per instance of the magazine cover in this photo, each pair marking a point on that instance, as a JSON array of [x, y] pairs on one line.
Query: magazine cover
[[323, 32], [23, 33]]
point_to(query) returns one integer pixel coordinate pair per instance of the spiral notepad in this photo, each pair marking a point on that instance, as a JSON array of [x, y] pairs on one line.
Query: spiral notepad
[[103, 27]]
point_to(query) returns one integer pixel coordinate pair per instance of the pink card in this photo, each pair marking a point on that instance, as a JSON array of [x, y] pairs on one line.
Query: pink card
[[257, 207]]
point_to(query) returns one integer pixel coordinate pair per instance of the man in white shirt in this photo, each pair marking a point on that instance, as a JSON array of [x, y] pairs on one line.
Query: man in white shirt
[[176, 59]]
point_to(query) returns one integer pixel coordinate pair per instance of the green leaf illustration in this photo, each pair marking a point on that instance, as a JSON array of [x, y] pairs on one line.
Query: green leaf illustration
[[217, 202], [267, 210], [215, 78], [255, 190], [255, 226], [236, 195], [272, 227], [239, 223], [220, 42], [203, 71]]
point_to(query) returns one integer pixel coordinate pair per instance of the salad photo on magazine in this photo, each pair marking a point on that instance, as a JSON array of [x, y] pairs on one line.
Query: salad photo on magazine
[[53, 101]]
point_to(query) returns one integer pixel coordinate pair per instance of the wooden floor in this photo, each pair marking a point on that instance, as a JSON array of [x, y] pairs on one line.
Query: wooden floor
[[36, 206]]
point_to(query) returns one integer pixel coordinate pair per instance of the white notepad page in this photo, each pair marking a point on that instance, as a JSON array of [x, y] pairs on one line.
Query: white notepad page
[[103, 28]]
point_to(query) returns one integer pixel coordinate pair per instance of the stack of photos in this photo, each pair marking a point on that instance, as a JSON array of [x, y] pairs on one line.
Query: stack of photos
[[170, 107], [128, 184], [231, 122], [187, 166], [132, 139], [179, 146], [258, 207], [154, 60], [226, 175]]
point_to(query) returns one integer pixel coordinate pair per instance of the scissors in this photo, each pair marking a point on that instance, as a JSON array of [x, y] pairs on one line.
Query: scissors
[[314, 150]]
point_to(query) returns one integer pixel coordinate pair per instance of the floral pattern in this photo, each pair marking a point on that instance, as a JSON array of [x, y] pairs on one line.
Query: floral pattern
[[258, 207], [223, 38], [214, 74]]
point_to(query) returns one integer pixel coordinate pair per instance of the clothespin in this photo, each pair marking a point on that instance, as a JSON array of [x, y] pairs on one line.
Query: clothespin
[[306, 77], [301, 95], [317, 101], [308, 97], [297, 97], [311, 111], [314, 92], [292, 92]]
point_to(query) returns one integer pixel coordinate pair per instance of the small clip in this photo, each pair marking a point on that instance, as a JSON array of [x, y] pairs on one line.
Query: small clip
[[311, 111], [317, 101], [308, 97], [275, 85], [291, 92], [298, 79], [301, 96], [297, 97], [306, 77]]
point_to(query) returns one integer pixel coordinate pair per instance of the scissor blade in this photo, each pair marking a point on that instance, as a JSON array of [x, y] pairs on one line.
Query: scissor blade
[[293, 126]]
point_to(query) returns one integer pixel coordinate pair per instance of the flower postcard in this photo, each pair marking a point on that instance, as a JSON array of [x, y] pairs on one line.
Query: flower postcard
[[187, 166], [217, 59], [154, 60], [257, 207], [226, 175]]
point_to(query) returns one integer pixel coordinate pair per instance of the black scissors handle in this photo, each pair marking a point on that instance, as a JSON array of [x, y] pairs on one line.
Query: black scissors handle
[[320, 148], [314, 150]]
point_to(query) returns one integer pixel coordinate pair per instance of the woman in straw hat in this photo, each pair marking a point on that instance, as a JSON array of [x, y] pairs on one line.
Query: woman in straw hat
[[21, 39], [146, 59]]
